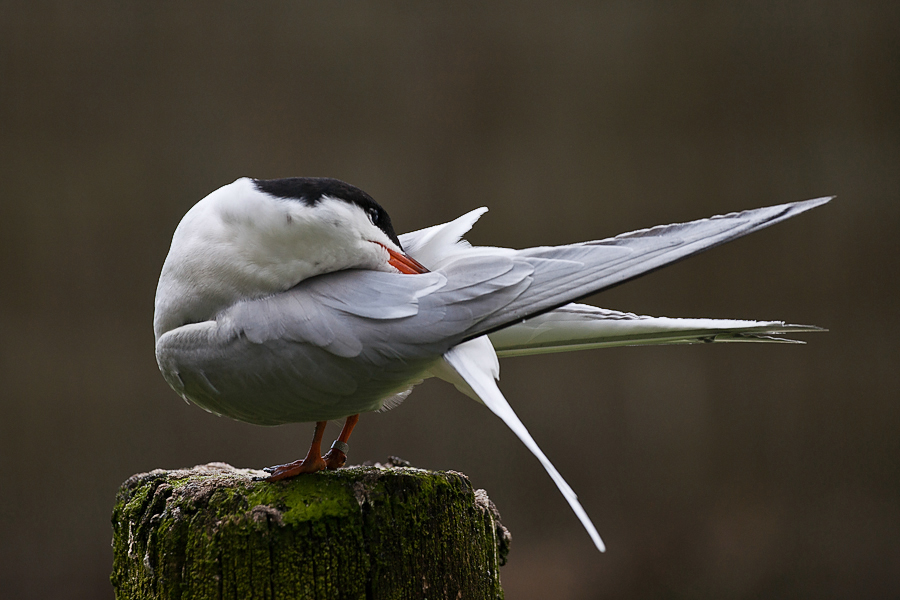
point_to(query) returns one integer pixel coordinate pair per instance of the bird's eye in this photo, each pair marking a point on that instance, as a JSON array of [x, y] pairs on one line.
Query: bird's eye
[[373, 215]]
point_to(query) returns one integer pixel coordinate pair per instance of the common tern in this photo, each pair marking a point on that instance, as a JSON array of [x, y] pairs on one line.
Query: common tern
[[293, 300]]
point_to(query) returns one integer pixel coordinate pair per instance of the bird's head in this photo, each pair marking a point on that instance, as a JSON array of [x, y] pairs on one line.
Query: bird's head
[[257, 237]]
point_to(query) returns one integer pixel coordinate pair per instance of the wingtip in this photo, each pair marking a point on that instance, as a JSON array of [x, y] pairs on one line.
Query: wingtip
[[814, 202], [781, 212], [792, 209], [796, 208], [796, 328], [475, 214]]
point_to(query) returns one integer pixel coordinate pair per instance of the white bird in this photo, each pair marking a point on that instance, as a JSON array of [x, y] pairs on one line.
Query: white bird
[[293, 300]]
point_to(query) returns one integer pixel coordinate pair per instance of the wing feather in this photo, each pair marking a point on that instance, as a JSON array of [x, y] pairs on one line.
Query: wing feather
[[583, 327], [610, 262]]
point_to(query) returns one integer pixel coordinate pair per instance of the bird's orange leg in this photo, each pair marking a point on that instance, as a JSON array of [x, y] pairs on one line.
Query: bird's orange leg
[[337, 456], [312, 463]]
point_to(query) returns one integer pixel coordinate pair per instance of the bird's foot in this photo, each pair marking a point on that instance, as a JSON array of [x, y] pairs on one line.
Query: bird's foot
[[298, 467], [334, 459]]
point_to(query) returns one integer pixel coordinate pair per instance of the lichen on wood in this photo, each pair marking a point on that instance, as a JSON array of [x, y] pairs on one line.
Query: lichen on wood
[[379, 532]]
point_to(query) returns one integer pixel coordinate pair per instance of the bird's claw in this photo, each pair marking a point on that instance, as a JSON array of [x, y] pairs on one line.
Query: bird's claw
[[298, 467]]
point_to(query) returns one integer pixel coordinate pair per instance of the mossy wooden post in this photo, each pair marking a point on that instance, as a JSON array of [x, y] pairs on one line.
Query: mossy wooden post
[[211, 532]]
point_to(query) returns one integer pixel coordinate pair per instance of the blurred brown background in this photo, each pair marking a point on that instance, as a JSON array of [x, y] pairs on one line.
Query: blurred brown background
[[712, 472]]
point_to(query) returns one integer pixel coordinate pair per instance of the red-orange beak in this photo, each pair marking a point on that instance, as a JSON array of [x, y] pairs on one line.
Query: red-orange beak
[[403, 263]]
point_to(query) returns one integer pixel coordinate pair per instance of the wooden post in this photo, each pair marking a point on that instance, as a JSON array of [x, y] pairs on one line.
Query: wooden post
[[211, 532]]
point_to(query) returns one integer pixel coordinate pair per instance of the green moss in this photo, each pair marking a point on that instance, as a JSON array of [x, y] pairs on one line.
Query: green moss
[[307, 498]]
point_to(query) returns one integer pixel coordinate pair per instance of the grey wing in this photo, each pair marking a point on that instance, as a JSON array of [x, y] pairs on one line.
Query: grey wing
[[564, 274]]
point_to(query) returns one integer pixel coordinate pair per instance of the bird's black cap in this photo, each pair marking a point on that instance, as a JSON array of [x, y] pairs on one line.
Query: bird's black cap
[[311, 190]]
